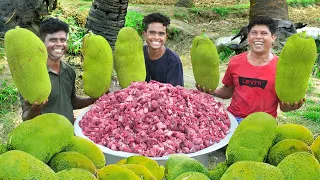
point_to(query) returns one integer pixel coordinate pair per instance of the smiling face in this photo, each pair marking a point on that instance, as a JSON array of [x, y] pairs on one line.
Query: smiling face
[[155, 35], [56, 44], [260, 39]]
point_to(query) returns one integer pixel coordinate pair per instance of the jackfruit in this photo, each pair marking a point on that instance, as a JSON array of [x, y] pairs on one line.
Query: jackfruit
[[75, 174], [250, 170], [294, 67], [115, 172], [192, 176], [89, 149], [128, 57], [152, 165], [300, 166], [284, 148], [3, 148], [179, 163], [97, 65], [205, 62], [293, 131], [122, 161], [15, 165], [218, 171], [140, 170], [252, 139], [27, 59], [315, 147], [43, 136]]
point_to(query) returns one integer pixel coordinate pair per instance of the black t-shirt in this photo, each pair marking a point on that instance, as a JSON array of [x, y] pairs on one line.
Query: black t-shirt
[[166, 69]]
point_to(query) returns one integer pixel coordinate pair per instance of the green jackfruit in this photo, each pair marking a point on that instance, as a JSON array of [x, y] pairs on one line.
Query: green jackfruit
[[15, 165], [284, 148], [42, 136], [294, 67], [192, 176], [140, 170], [97, 65], [218, 171], [250, 170], [128, 57], [315, 147], [252, 139], [293, 131], [122, 161], [205, 62], [67, 160], [300, 166], [3, 148], [179, 163], [115, 172], [75, 174], [89, 149], [27, 58], [152, 165]]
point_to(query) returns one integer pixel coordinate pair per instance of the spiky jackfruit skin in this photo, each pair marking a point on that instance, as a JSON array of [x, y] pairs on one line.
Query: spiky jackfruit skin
[[67, 160], [122, 161], [27, 58], [128, 57], [218, 171], [115, 172], [140, 170], [192, 176], [250, 170], [75, 174], [3, 148], [284, 148], [179, 163], [89, 149], [97, 65], [293, 131], [42, 136], [252, 139], [294, 67], [205, 62], [315, 147], [17, 164], [152, 165], [300, 166]]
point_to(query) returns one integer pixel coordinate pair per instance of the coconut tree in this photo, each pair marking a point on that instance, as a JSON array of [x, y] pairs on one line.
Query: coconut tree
[[276, 9]]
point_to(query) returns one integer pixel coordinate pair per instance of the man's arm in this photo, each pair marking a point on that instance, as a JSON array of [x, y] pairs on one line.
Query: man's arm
[[224, 92], [30, 111], [79, 103]]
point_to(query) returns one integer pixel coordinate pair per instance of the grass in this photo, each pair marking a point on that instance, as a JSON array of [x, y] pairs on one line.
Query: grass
[[304, 3], [8, 97], [134, 20], [2, 52]]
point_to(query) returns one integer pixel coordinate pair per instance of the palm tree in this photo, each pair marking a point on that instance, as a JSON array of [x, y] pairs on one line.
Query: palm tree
[[276, 9]]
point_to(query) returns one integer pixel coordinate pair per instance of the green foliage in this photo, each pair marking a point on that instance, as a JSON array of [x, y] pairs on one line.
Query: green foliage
[[225, 54], [8, 97], [224, 11], [310, 112], [134, 19], [180, 15], [304, 3], [2, 52]]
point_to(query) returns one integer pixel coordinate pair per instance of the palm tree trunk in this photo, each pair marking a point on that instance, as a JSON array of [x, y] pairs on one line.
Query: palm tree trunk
[[276, 9]]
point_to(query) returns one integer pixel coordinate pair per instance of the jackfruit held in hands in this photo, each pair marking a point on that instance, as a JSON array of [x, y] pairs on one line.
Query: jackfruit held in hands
[[205, 62], [17, 164], [115, 172], [27, 58], [97, 65], [294, 67], [293, 131], [75, 174], [128, 57], [43, 136]]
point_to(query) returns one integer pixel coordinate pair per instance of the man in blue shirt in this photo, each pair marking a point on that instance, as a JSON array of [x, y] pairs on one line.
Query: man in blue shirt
[[162, 64]]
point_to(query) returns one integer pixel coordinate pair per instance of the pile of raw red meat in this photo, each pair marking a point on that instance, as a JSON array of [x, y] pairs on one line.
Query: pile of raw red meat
[[155, 119]]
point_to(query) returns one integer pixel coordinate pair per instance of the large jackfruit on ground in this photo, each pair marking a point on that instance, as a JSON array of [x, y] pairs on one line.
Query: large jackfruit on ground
[[252, 139], [192, 176], [294, 67], [218, 171], [67, 160], [89, 149], [284, 148], [17, 164], [250, 170], [42, 136], [140, 170], [128, 57], [115, 172], [300, 166], [75, 174], [27, 59], [205, 62], [293, 131], [179, 163], [97, 65], [315, 147]]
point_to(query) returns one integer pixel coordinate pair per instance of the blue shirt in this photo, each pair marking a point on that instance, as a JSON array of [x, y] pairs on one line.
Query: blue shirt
[[166, 69]]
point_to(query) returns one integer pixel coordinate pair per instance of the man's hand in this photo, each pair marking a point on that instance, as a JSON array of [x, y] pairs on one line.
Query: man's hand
[[286, 106], [35, 107], [203, 89]]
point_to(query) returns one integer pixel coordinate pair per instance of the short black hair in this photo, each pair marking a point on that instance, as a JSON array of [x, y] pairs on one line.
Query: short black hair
[[155, 17], [52, 25], [263, 20]]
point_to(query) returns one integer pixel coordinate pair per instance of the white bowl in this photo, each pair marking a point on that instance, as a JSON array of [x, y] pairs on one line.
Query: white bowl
[[113, 157]]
